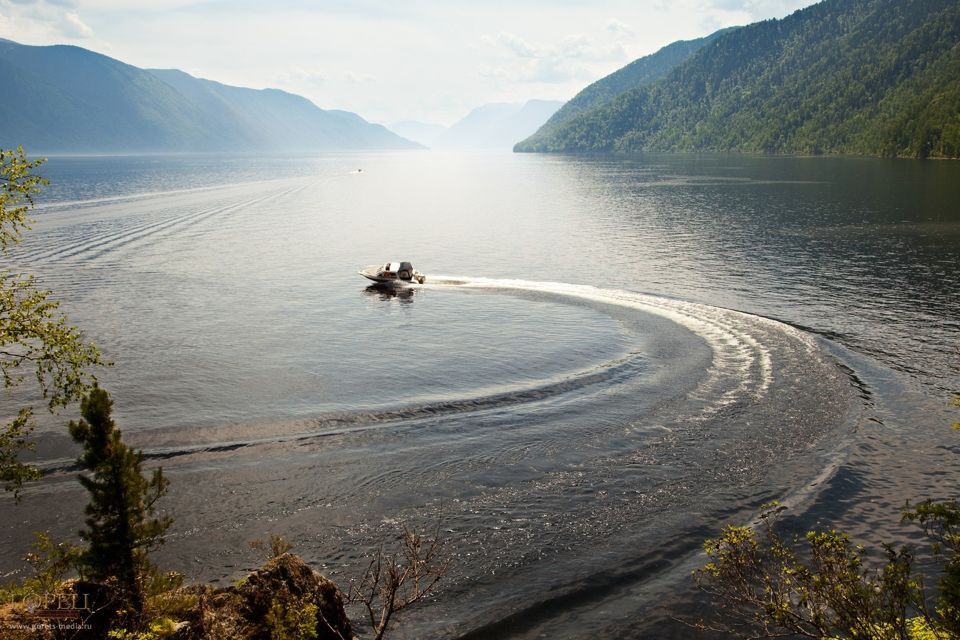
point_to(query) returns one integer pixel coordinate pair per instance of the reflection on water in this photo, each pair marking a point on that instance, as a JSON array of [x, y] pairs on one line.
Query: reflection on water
[[389, 292]]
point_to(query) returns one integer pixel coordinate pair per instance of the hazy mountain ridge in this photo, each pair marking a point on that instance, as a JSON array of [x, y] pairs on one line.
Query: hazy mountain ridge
[[497, 125], [66, 98], [843, 76]]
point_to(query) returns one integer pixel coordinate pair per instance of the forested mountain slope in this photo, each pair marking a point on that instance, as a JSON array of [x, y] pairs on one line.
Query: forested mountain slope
[[843, 76], [640, 72]]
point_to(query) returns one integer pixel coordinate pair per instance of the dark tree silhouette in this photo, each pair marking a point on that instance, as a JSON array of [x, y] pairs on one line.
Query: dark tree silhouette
[[122, 526]]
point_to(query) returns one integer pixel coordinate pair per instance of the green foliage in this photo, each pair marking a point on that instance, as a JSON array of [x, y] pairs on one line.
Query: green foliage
[[641, 72], [33, 334], [13, 591], [17, 188], [165, 597], [920, 629], [767, 586], [156, 630], [877, 77], [14, 439], [52, 562], [292, 620], [166, 603], [121, 527], [940, 521]]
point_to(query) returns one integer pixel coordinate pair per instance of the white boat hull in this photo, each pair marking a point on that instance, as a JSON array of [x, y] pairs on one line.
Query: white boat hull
[[376, 274]]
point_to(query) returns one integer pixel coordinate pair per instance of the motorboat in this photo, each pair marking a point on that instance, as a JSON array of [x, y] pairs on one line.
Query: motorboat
[[393, 273]]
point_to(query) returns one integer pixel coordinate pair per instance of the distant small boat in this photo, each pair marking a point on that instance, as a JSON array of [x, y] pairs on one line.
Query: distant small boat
[[393, 273]]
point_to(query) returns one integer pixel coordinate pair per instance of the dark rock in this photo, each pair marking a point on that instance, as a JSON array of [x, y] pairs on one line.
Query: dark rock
[[249, 611], [283, 598], [289, 581]]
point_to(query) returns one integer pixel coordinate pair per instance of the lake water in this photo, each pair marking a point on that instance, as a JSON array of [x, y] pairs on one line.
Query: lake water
[[611, 358]]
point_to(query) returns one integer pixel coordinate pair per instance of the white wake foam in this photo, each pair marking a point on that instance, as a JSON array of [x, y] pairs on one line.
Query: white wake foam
[[742, 363]]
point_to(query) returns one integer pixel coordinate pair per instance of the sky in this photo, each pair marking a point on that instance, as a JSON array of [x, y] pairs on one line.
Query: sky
[[387, 60]]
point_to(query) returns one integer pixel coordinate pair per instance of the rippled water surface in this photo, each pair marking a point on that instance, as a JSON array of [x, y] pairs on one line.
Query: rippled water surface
[[611, 358]]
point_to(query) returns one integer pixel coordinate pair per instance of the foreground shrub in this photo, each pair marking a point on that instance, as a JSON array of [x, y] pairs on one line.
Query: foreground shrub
[[767, 586]]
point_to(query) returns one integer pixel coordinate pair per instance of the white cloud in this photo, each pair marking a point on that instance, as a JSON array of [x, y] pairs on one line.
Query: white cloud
[[573, 58], [301, 76], [577, 46], [758, 9], [620, 29], [358, 78], [513, 43], [42, 22], [73, 27], [716, 14]]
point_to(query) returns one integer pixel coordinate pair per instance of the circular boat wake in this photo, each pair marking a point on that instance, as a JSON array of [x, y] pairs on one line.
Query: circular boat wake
[[764, 414]]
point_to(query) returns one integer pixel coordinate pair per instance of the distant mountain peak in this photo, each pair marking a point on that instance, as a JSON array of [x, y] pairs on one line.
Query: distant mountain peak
[[497, 125], [67, 98]]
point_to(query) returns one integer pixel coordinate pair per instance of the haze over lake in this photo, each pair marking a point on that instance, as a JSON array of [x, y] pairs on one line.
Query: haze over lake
[[611, 358]]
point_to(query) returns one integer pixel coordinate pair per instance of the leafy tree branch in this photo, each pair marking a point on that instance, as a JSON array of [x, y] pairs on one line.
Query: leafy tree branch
[[36, 340]]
